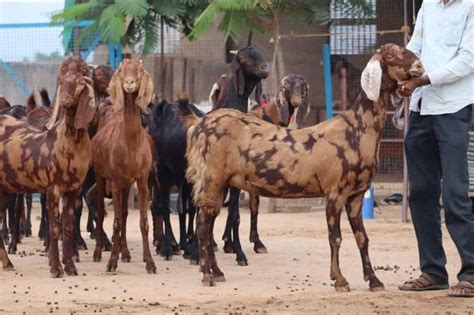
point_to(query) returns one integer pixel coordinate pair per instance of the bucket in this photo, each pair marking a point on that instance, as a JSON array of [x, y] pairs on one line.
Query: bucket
[[368, 204]]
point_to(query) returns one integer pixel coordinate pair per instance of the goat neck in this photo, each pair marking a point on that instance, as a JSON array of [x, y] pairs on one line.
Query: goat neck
[[372, 114], [132, 126], [68, 126]]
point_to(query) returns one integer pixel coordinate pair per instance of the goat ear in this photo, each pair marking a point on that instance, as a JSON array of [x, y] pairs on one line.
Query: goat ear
[[258, 92], [303, 109], [116, 92], [56, 109], [371, 78], [282, 106], [238, 76], [145, 93], [86, 108], [214, 95]]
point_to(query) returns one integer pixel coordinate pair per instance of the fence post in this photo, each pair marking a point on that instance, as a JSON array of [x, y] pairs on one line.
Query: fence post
[[112, 55], [327, 80], [118, 54]]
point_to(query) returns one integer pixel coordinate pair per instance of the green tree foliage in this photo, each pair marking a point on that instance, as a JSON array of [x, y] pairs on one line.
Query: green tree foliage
[[135, 22]]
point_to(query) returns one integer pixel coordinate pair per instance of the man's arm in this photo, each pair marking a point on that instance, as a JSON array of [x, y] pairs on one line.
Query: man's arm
[[415, 42], [461, 65]]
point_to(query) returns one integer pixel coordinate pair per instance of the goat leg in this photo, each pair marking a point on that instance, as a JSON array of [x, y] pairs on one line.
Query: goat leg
[[6, 263], [69, 207], [100, 191], [354, 213], [53, 217], [29, 207], [117, 203], [235, 223], [44, 216], [19, 208], [79, 242], [143, 192], [333, 218], [258, 246], [125, 252], [204, 220], [165, 243]]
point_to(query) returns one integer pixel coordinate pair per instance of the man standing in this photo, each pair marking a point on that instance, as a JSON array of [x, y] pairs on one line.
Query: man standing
[[437, 140]]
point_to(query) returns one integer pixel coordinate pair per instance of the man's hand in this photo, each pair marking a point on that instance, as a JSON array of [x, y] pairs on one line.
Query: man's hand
[[406, 87]]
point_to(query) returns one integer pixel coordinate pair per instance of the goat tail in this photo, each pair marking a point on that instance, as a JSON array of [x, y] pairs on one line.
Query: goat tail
[[185, 113]]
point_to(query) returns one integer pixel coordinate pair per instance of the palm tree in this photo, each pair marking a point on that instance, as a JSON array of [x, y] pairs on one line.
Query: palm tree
[[131, 22]]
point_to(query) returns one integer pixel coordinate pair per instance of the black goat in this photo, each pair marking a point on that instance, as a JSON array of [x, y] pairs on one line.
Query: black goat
[[169, 137], [248, 69]]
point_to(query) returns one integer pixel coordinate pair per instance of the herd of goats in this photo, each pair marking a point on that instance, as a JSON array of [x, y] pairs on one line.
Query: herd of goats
[[105, 131]]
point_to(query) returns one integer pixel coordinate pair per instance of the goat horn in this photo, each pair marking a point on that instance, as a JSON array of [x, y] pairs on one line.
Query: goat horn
[[233, 52]]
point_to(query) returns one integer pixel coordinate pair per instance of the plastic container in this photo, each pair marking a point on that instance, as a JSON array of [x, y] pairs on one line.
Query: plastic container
[[368, 204]]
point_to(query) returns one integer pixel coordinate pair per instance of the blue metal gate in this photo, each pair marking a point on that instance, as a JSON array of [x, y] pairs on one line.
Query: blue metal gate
[[31, 53]]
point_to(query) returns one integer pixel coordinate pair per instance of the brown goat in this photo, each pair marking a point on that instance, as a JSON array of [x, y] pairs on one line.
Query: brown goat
[[336, 159], [292, 95], [53, 161], [122, 154]]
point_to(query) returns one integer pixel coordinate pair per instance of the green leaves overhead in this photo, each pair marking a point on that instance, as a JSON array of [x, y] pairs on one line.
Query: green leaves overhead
[[137, 22], [134, 22], [256, 15], [133, 8]]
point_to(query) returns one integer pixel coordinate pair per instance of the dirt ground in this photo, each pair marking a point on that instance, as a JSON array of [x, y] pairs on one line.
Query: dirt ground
[[293, 277]]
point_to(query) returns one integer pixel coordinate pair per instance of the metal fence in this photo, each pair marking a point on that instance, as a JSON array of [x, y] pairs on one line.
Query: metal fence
[[352, 44], [31, 53]]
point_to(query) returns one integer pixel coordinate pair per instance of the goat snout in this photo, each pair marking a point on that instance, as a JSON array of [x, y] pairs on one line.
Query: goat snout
[[417, 69], [67, 99], [129, 85], [296, 100]]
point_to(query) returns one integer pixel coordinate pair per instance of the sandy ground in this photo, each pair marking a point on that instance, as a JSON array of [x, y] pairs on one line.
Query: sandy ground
[[292, 278]]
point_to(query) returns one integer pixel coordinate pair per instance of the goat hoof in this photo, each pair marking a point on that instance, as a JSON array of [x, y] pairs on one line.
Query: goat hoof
[[76, 258], [259, 248], [126, 259], [97, 256], [57, 272], [376, 285], [242, 262], [219, 278], [111, 267], [150, 267], [208, 281], [92, 236], [71, 271], [9, 267], [344, 288], [168, 257], [228, 249], [193, 262]]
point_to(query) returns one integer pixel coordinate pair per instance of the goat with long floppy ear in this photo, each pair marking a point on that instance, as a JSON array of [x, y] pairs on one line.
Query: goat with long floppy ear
[[86, 108], [145, 93], [115, 91], [238, 73], [302, 111], [281, 103], [56, 109], [371, 78]]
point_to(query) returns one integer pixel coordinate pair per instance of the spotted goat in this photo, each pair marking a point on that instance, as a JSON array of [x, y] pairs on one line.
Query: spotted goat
[[293, 95], [336, 159], [53, 161], [122, 154]]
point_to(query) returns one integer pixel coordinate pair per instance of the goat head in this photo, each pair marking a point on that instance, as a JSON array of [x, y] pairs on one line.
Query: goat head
[[131, 77]]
